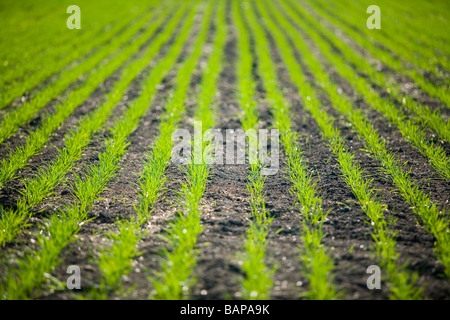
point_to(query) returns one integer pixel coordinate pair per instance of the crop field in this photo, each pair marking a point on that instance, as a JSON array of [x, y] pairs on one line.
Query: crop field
[[123, 174]]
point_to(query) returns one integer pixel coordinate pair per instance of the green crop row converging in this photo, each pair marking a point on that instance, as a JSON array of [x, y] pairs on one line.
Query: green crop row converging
[[42, 184], [318, 264], [434, 219], [60, 229], [257, 283], [402, 283], [427, 86], [176, 278]]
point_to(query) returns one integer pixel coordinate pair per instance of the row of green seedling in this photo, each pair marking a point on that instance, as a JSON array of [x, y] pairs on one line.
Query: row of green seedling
[[318, 264], [29, 76], [116, 260], [257, 282], [37, 139], [435, 221], [174, 279], [24, 113], [352, 172], [41, 186], [400, 280], [385, 57], [26, 277], [421, 114], [394, 42], [409, 130]]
